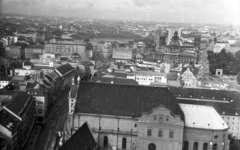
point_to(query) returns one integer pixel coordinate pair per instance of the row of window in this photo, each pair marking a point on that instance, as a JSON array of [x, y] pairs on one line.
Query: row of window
[[180, 60], [196, 146], [160, 133], [232, 118], [105, 142]]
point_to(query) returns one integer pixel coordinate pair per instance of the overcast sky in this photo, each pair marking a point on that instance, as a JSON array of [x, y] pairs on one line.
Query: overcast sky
[[189, 11]]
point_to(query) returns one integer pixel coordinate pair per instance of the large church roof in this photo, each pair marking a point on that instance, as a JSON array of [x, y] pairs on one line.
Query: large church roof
[[123, 100]]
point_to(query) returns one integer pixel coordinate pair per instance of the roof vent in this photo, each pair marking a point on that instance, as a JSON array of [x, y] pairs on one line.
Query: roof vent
[[224, 98], [223, 112], [231, 101], [179, 95], [208, 124], [191, 96], [193, 122], [236, 113], [201, 96], [213, 97]]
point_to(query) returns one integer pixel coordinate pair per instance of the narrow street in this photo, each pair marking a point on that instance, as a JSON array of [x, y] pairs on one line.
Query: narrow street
[[55, 122]]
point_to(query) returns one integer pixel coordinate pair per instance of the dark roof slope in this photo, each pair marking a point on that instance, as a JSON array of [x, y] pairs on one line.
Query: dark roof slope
[[65, 69], [81, 140], [123, 100], [225, 102], [20, 102], [203, 93]]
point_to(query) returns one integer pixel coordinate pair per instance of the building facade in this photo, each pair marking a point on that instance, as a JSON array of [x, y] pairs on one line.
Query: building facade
[[143, 117], [225, 102], [33, 51], [65, 49], [16, 120], [189, 77]]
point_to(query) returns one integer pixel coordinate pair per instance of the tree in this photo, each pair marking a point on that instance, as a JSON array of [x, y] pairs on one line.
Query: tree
[[237, 54], [234, 143], [238, 77]]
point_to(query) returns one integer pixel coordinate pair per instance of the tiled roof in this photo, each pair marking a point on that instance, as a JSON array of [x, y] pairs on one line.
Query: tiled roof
[[225, 102], [123, 100], [82, 139], [19, 102]]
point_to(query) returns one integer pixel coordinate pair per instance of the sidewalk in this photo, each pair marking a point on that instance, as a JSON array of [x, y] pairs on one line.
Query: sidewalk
[[33, 138]]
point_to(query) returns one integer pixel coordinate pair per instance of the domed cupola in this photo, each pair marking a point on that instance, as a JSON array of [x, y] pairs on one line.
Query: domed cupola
[[175, 40]]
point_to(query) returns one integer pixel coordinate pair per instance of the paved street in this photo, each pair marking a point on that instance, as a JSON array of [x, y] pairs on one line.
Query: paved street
[[55, 122]]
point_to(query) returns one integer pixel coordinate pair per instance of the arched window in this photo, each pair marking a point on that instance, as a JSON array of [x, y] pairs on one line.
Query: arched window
[[151, 146], [205, 146], [195, 146], [160, 133], [149, 132], [160, 119], [215, 146], [186, 143], [124, 143], [171, 134], [105, 141]]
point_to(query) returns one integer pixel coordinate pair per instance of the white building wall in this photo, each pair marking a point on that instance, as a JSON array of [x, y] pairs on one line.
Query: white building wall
[[115, 128], [233, 123]]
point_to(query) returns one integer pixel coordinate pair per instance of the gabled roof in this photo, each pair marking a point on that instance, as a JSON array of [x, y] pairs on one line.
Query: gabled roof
[[53, 75], [82, 139], [123, 100], [65, 69], [194, 70]]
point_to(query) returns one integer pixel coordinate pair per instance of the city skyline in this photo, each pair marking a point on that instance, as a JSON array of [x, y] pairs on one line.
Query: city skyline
[[173, 11]]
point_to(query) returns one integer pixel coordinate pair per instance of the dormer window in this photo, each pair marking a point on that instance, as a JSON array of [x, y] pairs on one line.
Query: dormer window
[[236, 113]]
